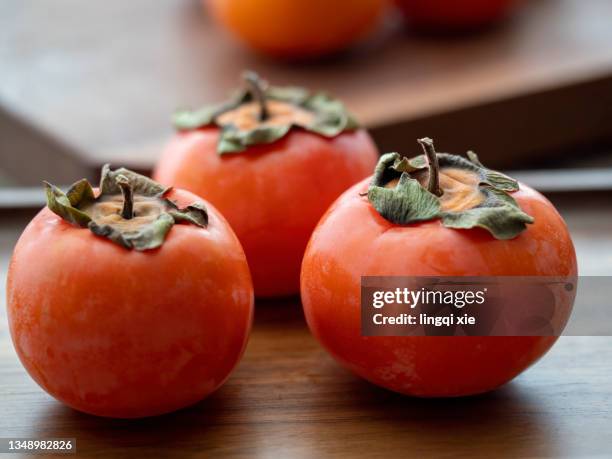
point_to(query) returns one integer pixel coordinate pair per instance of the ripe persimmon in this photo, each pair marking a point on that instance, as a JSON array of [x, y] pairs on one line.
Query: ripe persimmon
[[455, 14], [298, 28], [118, 310], [434, 215], [271, 160]]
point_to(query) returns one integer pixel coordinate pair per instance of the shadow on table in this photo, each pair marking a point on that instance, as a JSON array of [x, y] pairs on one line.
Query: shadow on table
[[508, 422], [304, 404], [368, 421]]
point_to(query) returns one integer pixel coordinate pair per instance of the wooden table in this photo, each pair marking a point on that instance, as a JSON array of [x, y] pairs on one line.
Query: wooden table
[[287, 398]]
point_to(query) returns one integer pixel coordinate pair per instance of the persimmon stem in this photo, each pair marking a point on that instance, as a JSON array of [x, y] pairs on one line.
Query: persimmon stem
[[434, 168], [127, 212], [256, 88]]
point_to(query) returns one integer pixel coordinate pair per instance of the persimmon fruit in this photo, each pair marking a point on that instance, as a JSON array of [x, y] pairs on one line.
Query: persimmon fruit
[[455, 14], [131, 303], [376, 229], [271, 176], [298, 29]]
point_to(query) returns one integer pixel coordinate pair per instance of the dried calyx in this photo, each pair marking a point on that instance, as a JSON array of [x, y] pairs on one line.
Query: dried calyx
[[262, 114], [130, 210], [459, 191]]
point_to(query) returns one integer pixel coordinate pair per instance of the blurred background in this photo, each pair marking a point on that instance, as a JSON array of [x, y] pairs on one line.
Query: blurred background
[[526, 84]]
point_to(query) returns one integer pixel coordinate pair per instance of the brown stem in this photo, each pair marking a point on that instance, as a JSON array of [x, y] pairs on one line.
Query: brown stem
[[434, 168], [256, 88], [127, 212]]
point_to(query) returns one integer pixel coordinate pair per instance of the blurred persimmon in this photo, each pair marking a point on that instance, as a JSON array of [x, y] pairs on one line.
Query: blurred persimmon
[[298, 28], [454, 14], [271, 159]]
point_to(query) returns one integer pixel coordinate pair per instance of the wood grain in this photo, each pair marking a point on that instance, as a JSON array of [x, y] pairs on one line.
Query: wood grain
[[288, 398]]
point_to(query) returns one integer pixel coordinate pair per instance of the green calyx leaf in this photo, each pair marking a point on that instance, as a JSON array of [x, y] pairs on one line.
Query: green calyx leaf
[[140, 184], [131, 209], [408, 201], [66, 205], [235, 141], [205, 116], [329, 117], [195, 214], [146, 237], [499, 214]]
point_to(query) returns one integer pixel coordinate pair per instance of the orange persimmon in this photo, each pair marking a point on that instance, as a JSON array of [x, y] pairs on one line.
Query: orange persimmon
[[298, 28], [271, 176], [469, 222], [118, 310]]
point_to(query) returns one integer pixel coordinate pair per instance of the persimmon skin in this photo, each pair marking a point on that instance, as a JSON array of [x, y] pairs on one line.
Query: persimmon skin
[[272, 195], [128, 334], [353, 240], [298, 29], [455, 14]]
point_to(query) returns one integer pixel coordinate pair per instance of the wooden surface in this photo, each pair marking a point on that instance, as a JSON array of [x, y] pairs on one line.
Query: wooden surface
[[103, 78], [287, 398]]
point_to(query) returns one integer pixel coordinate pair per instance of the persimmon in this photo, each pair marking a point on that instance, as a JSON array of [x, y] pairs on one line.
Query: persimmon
[[271, 160], [298, 28], [433, 215], [455, 14], [132, 301]]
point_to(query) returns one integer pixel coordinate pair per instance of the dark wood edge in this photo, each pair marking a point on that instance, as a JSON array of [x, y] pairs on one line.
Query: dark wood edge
[[515, 132]]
